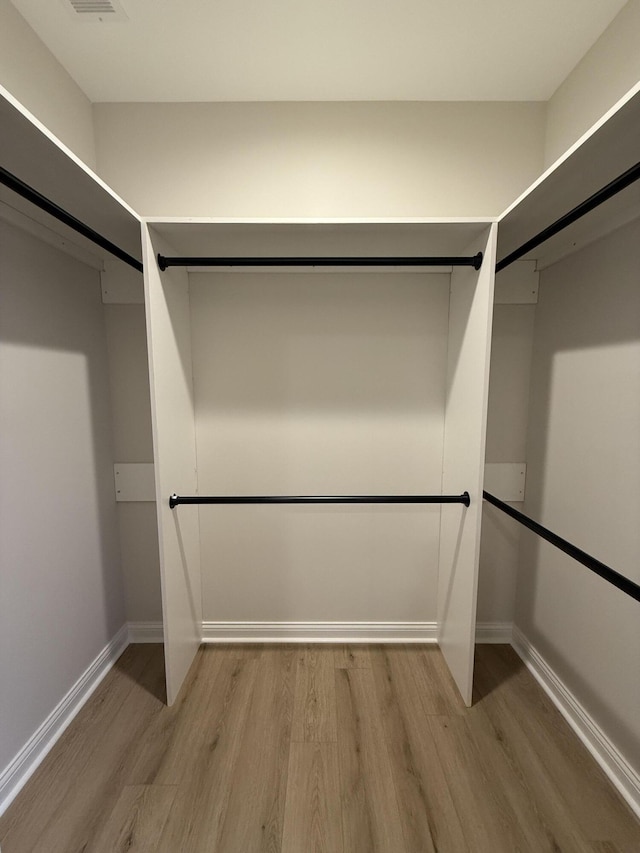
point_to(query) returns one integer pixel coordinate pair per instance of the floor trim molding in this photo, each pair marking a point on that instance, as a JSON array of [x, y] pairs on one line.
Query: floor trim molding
[[329, 632], [494, 632], [25, 763], [319, 632], [619, 771], [145, 632]]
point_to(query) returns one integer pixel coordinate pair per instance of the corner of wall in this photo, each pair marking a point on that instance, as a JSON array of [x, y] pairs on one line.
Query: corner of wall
[[32, 74], [604, 75]]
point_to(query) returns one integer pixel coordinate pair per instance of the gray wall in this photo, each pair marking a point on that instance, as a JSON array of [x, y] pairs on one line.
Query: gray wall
[[32, 74], [131, 416], [61, 595], [584, 482], [507, 425]]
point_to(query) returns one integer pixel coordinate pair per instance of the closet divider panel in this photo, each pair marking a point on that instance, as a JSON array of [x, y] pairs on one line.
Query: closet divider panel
[[174, 447], [470, 317]]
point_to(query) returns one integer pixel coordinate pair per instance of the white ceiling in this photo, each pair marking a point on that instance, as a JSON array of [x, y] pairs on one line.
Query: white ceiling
[[328, 50]]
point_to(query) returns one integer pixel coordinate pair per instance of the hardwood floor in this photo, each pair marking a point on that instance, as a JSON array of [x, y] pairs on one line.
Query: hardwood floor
[[318, 749]]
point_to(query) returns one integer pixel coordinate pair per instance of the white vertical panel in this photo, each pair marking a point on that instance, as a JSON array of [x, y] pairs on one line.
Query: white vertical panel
[[470, 317], [169, 343]]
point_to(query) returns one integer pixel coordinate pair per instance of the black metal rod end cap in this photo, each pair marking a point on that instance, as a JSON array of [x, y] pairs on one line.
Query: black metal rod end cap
[[467, 498], [173, 501], [161, 262], [477, 261]]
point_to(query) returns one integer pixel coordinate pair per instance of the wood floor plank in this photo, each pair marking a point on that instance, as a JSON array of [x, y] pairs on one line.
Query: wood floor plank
[[195, 820], [370, 816], [506, 775], [177, 737], [79, 781], [352, 656], [314, 709], [255, 812], [489, 823], [312, 819], [505, 740], [427, 812], [136, 823], [593, 804], [435, 683], [500, 744]]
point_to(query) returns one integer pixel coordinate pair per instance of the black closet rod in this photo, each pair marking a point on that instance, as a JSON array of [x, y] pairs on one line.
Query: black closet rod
[[64, 216], [475, 261], [613, 577], [602, 195], [176, 500]]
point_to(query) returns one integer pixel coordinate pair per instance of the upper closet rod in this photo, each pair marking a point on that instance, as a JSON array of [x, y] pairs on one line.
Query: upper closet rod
[[620, 581], [602, 195], [475, 261], [62, 215]]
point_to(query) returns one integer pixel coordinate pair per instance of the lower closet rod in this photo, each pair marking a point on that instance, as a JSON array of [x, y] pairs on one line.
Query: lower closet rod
[[597, 567], [176, 500]]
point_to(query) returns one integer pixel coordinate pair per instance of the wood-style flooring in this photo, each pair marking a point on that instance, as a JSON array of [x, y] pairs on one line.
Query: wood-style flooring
[[318, 749]]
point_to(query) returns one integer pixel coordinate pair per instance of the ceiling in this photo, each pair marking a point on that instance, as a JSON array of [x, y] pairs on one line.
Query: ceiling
[[323, 50]]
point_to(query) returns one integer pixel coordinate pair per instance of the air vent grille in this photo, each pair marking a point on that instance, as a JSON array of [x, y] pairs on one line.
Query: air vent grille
[[97, 10]]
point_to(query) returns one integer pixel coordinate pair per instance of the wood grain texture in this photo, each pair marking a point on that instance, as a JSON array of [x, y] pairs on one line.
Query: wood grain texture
[[210, 749], [489, 821], [313, 820], [136, 822], [74, 791], [428, 816], [352, 656], [314, 714], [255, 813], [597, 808], [221, 772], [370, 813]]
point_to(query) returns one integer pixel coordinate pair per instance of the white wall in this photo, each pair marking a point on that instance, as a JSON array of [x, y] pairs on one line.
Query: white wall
[[319, 384], [320, 159], [30, 72], [583, 483], [602, 77], [61, 595]]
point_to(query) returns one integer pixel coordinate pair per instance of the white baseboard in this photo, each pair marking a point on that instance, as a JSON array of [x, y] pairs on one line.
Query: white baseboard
[[319, 632], [14, 777], [625, 779], [494, 632], [145, 632], [328, 632]]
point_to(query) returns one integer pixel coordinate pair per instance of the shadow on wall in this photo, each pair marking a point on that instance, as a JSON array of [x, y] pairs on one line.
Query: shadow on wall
[[583, 446], [62, 598]]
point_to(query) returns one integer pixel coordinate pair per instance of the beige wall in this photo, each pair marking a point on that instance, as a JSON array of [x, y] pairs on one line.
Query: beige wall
[[601, 78], [61, 597], [584, 458], [30, 72], [320, 159], [319, 384]]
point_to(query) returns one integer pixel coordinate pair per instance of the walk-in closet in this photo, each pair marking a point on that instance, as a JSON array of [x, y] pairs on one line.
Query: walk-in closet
[[319, 427]]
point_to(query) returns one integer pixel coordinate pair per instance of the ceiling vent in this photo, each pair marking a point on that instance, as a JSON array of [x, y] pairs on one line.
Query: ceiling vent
[[97, 11]]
